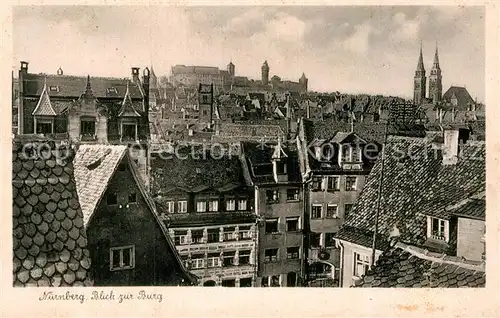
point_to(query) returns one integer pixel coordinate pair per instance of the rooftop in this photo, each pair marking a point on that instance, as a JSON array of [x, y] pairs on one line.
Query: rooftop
[[49, 237], [411, 267]]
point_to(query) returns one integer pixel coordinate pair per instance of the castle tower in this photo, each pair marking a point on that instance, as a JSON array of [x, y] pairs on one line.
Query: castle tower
[[435, 80], [231, 69], [419, 81], [265, 73], [303, 82]]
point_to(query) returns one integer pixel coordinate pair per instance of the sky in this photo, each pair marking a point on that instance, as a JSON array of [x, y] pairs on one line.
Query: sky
[[350, 49]]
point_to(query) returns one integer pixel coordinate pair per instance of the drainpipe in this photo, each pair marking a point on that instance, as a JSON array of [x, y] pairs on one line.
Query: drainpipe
[[341, 270]]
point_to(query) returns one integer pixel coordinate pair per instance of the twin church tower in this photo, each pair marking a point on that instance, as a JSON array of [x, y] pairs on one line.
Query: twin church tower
[[435, 82]]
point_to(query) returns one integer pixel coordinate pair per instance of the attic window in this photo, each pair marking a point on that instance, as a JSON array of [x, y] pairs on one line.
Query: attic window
[[111, 90], [54, 88]]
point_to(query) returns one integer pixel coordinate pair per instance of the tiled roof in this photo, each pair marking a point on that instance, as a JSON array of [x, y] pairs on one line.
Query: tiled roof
[[361, 237], [461, 94], [415, 183], [49, 238], [264, 131], [409, 267], [74, 86], [44, 106], [474, 208], [190, 172], [259, 156], [94, 167]]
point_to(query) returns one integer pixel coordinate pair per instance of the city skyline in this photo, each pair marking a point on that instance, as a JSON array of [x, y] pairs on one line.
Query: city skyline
[[370, 50]]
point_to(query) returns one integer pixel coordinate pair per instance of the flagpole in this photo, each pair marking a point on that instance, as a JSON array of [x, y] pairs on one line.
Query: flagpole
[[379, 195]]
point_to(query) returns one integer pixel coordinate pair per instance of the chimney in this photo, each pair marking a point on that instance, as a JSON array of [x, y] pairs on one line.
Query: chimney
[[308, 110], [145, 87], [24, 67], [135, 75], [450, 146]]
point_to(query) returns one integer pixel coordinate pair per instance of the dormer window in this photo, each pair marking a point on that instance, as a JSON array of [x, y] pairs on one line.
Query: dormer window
[[437, 229], [350, 153], [280, 167], [111, 90], [54, 88]]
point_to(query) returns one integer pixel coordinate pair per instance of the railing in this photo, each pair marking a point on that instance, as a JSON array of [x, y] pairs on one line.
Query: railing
[[88, 137]]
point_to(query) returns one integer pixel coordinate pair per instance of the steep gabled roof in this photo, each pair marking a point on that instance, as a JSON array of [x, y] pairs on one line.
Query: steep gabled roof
[[461, 94], [128, 109], [416, 183], [48, 234], [94, 167], [407, 266], [44, 106]]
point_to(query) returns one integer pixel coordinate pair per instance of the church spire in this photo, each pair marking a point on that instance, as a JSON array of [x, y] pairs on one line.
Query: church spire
[[420, 64], [435, 65]]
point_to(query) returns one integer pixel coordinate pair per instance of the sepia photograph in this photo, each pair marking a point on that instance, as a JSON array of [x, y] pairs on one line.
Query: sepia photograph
[[248, 146]]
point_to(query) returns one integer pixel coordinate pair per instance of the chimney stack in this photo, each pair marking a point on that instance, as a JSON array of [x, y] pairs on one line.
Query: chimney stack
[[135, 75], [24, 67], [450, 146]]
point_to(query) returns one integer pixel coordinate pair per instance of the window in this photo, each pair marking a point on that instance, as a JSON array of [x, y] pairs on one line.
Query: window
[[229, 258], [87, 128], [347, 209], [292, 253], [54, 88], [229, 234], [317, 183], [197, 261], [213, 235], [122, 258], [228, 283], [213, 260], [376, 117], [182, 206], [315, 239], [272, 226], [346, 153], [280, 167], [246, 282], [264, 281], [170, 205], [132, 197], [291, 279], [275, 281], [44, 128], [333, 184], [230, 205], [242, 205], [350, 183], [329, 239], [129, 131], [180, 238], [332, 211], [111, 90], [292, 194], [201, 206], [437, 229], [316, 211], [355, 154], [197, 236], [292, 224], [112, 198], [272, 196], [244, 257], [271, 255], [213, 205], [361, 264], [245, 232]]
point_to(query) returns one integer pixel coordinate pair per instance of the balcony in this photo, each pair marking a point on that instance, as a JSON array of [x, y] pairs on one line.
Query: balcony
[[88, 137], [328, 254]]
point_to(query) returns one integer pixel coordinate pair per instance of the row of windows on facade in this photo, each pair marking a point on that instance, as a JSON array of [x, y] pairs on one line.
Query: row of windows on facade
[[331, 211], [276, 280], [292, 224], [87, 128], [332, 183], [109, 90], [216, 259], [347, 153], [316, 240], [212, 235], [273, 196], [206, 206]]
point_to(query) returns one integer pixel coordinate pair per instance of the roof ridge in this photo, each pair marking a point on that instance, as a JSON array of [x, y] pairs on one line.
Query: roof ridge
[[444, 259]]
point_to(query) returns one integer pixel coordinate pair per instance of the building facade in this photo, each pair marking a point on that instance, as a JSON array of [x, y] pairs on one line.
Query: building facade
[[208, 205], [279, 198]]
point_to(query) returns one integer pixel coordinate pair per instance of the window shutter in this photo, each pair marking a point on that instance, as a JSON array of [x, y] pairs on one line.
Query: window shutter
[[429, 226], [446, 230]]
